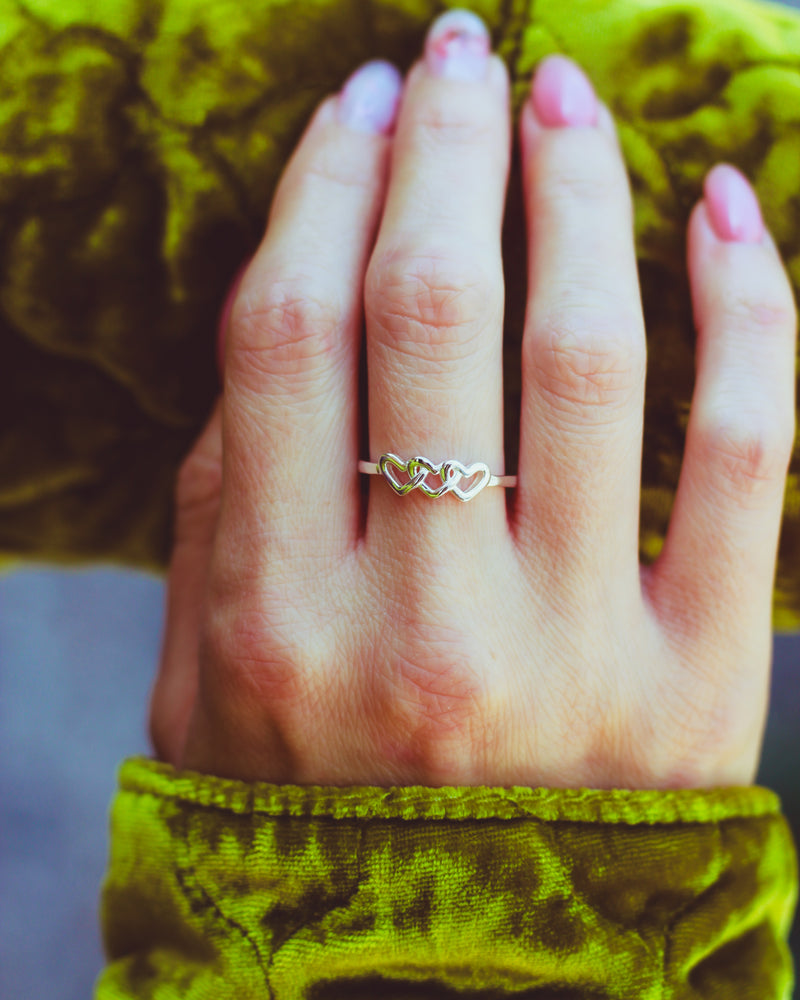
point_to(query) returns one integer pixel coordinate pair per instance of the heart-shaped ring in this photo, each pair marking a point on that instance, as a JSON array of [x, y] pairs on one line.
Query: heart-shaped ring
[[454, 472], [449, 472], [400, 488], [420, 462]]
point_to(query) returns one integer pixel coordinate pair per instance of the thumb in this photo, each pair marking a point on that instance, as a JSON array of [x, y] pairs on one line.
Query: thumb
[[197, 499]]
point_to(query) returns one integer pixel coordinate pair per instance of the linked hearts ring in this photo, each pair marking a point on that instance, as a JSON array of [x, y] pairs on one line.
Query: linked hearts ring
[[448, 475]]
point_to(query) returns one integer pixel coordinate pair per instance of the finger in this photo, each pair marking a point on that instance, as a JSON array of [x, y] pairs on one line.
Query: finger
[[197, 498], [291, 364], [716, 570], [434, 289], [584, 347]]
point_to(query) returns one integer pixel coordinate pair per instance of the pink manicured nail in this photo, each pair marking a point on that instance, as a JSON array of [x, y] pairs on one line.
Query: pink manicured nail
[[457, 46], [370, 99], [733, 206], [562, 94]]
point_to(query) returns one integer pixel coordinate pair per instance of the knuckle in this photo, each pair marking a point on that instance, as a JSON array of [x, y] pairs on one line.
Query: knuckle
[[578, 166], [248, 641], [574, 184], [267, 638], [439, 696], [586, 364], [699, 733], [286, 329], [748, 453], [440, 120], [341, 165], [437, 653], [432, 305], [748, 312]]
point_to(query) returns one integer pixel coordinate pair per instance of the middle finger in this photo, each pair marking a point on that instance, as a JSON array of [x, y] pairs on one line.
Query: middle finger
[[434, 291]]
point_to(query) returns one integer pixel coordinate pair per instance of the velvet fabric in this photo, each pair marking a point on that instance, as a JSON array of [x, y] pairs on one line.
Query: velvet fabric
[[140, 145], [222, 889]]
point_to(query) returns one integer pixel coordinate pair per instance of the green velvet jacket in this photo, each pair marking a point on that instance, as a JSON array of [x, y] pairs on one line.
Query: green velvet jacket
[[140, 145], [220, 889]]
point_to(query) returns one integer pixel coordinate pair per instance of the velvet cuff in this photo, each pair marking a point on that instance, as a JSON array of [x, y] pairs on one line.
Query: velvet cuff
[[225, 889]]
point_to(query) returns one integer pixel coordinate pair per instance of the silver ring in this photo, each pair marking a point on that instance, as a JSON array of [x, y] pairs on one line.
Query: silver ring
[[449, 474]]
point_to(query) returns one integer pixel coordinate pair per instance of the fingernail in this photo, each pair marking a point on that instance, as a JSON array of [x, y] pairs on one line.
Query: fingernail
[[457, 46], [733, 206], [370, 99], [562, 94]]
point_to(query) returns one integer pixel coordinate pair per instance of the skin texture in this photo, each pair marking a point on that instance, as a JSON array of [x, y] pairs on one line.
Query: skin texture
[[321, 634]]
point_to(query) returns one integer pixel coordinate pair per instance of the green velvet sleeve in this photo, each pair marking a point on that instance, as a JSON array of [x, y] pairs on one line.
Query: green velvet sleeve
[[222, 889], [141, 142]]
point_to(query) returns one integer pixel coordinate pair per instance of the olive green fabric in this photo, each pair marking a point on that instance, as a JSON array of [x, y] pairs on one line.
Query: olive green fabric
[[140, 145], [222, 889]]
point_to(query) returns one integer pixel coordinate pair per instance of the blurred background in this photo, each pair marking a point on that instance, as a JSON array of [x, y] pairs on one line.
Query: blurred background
[[78, 649]]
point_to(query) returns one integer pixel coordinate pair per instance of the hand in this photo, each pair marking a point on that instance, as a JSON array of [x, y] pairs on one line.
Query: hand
[[316, 636]]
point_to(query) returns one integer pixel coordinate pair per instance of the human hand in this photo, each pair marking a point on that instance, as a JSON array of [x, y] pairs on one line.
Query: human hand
[[315, 636]]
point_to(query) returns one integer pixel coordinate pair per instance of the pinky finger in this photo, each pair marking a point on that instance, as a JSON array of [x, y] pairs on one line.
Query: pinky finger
[[716, 572]]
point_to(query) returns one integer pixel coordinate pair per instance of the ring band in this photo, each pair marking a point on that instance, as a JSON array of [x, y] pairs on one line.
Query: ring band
[[449, 474]]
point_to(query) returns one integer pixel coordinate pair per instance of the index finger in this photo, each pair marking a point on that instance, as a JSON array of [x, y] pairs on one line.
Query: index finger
[[290, 418]]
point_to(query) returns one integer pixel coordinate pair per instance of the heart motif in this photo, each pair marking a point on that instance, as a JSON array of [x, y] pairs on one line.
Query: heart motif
[[455, 469], [450, 473], [400, 488]]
